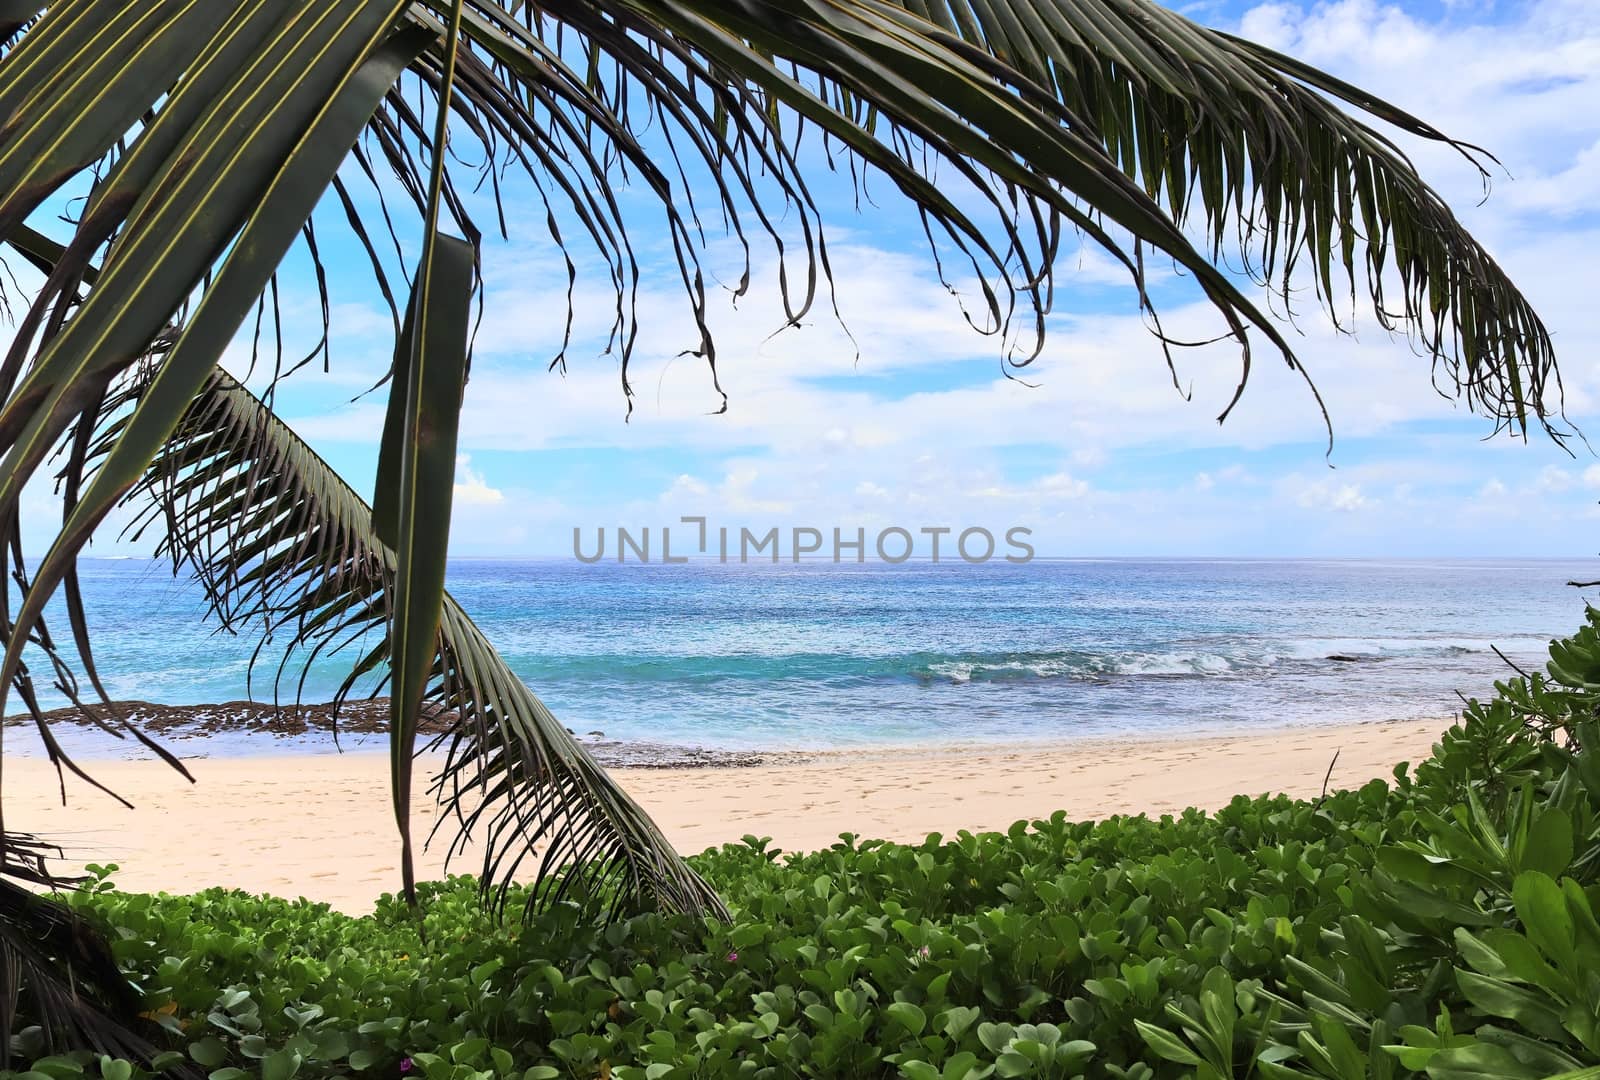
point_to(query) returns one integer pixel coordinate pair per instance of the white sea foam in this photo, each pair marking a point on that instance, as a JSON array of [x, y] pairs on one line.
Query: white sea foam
[[1217, 662]]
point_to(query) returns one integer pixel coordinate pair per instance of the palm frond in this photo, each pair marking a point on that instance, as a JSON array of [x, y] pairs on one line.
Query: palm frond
[[287, 550], [1119, 118], [28, 859], [56, 969], [1251, 148]]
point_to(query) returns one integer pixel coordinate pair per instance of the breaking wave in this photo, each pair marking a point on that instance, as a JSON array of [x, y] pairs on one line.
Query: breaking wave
[[1098, 664]]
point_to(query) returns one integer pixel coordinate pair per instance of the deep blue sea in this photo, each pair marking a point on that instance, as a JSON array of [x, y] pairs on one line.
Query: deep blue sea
[[818, 655]]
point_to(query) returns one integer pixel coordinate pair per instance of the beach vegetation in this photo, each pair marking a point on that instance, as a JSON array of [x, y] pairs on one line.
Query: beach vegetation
[[161, 164], [1442, 923]]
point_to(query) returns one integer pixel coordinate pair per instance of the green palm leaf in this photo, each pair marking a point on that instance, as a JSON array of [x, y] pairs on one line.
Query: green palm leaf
[[281, 541], [416, 481], [55, 965]]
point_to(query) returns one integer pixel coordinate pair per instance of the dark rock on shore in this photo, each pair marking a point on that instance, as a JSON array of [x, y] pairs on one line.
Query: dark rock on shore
[[364, 716], [363, 724]]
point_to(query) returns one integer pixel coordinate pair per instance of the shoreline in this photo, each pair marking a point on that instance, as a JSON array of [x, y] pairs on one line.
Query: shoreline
[[321, 825], [247, 730]]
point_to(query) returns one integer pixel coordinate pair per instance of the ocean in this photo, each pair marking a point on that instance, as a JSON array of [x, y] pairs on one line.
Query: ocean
[[819, 656]]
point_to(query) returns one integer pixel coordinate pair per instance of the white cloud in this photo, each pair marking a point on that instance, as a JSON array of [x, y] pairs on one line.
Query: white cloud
[[1063, 486], [743, 491], [1554, 478], [470, 487], [1349, 497], [1327, 495], [1524, 86], [687, 485]]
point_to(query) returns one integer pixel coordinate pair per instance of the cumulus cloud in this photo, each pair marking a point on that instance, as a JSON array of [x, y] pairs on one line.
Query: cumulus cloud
[[470, 487], [687, 485], [1328, 495], [1063, 486], [1554, 478]]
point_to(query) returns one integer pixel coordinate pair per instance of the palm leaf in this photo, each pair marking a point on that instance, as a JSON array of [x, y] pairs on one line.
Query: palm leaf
[[264, 239], [419, 455], [282, 543], [1118, 117], [1245, 143], [56, 969], [411, 507]]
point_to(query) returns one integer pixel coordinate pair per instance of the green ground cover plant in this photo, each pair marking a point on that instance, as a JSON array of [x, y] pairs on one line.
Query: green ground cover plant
[[1442, 924]]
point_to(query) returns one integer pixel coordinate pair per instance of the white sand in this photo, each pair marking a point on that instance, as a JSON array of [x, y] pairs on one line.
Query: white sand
[[320, 825]]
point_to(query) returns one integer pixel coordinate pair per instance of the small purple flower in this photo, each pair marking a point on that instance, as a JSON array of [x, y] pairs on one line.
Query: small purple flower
[[405, 1065], [923, 952], [733, 958]]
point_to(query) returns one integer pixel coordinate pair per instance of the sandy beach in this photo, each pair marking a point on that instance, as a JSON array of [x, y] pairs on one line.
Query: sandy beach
[[319, 824]]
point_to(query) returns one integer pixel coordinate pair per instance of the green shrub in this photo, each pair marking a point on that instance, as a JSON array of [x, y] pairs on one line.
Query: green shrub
[[1442, 925]]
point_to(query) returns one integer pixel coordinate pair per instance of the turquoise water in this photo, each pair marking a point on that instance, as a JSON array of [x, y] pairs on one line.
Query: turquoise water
[[816, 656]]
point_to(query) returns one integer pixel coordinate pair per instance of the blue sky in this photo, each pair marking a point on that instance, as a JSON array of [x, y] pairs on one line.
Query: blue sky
[[1100, 455]]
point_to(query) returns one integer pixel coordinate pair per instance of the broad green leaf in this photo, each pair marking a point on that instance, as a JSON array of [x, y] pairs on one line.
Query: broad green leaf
[[280, 1065], [1479, 1061], [208, 1052], [1166, 1044], [1549, 844], [1543, 911], [1497, 998], [423, 442], [908, 1016]]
